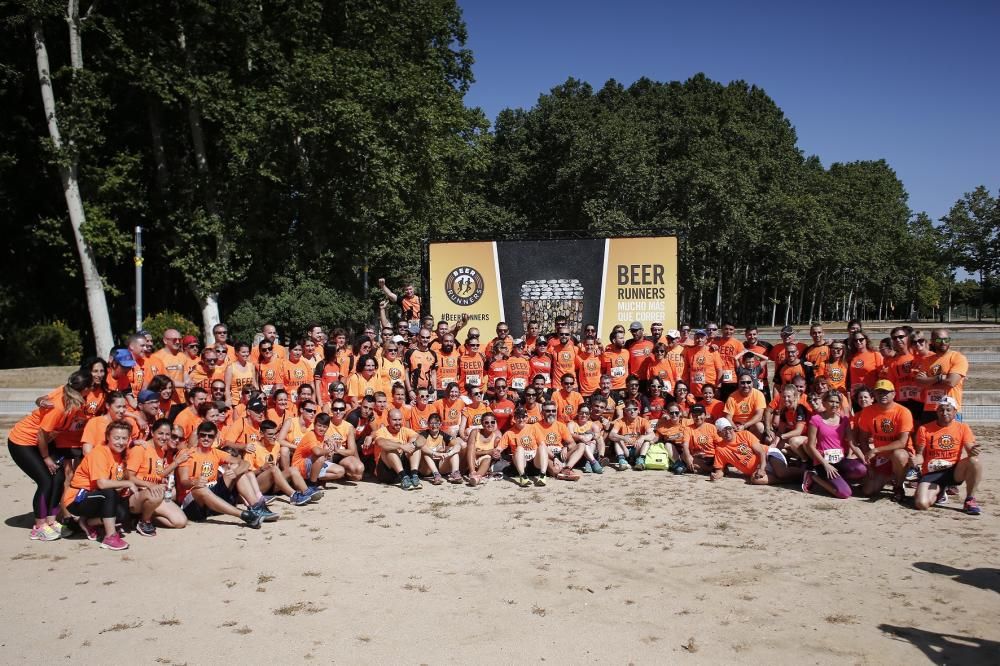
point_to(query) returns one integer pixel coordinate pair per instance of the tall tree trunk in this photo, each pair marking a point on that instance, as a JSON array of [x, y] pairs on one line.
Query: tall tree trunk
[[93, 284], [159, 152], [208, 300], [774, 306], [798, 314]]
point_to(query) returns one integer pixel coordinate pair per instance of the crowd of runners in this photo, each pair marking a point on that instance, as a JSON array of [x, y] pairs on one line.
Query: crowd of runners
[[147, 438]]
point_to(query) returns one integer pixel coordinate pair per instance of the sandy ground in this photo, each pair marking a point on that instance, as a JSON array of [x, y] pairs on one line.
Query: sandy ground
[[632, 567]]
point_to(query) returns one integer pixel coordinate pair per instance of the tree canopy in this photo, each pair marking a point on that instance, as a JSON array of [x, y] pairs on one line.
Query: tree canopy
[[311, 142]]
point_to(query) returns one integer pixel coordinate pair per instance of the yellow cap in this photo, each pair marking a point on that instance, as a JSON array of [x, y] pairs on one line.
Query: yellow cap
[[884, 385]]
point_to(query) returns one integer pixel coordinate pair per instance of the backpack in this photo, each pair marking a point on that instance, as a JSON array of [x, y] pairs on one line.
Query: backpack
[[657, 456]]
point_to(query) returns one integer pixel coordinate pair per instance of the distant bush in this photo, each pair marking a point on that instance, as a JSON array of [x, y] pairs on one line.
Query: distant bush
[[48, 344], [156, 324]]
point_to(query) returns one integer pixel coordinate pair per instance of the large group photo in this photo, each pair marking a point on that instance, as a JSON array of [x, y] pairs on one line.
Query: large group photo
[[316, 346]]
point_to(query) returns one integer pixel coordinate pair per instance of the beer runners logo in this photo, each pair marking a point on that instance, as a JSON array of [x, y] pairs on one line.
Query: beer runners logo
[[464, 285]]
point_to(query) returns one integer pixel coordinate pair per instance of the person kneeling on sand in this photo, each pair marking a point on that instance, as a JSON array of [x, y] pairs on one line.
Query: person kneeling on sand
[[211, 490], [740, 449], [632, 435], [938, 455]]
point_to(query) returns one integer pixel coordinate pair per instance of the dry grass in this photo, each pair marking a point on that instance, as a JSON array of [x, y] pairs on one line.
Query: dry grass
[[43, 378], [306, 607]]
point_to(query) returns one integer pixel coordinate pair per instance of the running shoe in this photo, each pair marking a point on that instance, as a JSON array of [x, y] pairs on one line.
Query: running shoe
[[415, 482], [298, 499], [971, 506], [640, 464], [586, 467], [912, 474], [622, 464], [596, 466], [942, 498], [114, 542], [252, 519], [89, 530], [269, 499], [145, 529], [266, 514], [522, 481], [807, 482], [406, 483], [49, 533], [455, 477], [313, 493], [951, 490], [898, 494], [540, 480], [37, 533], [437, 480]]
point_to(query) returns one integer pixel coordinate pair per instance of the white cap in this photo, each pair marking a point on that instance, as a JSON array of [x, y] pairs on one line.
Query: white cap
[[398, 338], [723, 423], [674, 333], [948, 400]]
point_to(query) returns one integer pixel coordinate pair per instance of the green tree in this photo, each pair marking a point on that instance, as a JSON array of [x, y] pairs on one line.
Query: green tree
[[973, 229]]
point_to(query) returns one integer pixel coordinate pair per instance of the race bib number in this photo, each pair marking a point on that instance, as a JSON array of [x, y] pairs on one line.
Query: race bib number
[[267, 388], [833, 456], [518, 383], [727, 375], [909, 393], [934, 396], [698, 378], [937, 465], [474, 380], [617, 372]]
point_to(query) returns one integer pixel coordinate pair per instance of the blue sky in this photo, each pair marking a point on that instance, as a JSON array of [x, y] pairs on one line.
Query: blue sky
[[915, 83]]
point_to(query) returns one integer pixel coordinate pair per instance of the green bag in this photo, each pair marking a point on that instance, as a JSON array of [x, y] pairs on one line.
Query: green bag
[[657, 456]]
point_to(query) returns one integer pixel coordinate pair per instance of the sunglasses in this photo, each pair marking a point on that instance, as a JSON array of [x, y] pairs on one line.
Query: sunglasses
[[176, 437], [530, 395], [942, 339], [549, 411], [309, 411], [920, 341], [338, 410], [899, 337], [746, 383], [674, 413]]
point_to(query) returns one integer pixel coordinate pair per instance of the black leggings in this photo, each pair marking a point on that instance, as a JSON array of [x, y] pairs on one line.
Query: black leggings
[[105, 503], [46, 499]]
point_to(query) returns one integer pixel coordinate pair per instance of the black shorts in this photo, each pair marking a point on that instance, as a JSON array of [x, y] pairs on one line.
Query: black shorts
[[74, 455], [945, 477], [198, 513], [386, 474]]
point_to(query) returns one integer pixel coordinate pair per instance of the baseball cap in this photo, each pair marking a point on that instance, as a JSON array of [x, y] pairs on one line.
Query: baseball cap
[[145, 395], [635, 326], [723, 423], [949, 401], [256, 405], [787, 330], [189, 340], [697, 409], [124, 358], [700, 331], [673, 333], [884, 385], [398, 338], [519, 342]]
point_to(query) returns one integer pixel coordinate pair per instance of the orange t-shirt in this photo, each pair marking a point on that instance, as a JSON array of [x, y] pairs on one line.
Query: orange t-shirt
[[95, 432], [703, 440], [242, 432], [743, 407], [305, 450], [835, 373], [540, 365], [188, 420], [518, 372], [552, 434], [942, 446], [240, 376], [534, 413], [472, 370], [280, 353], [864, 369], [404, 435], [563, 362], [51, 420], [713, 409], [147, 462], [639, 426], [638, 353], [101, 463], [449, 411], [271, 374], [295, 375], [702, 367], [525, 438], [739, 453], [672, 434], [662, 370], [588, 373], [778, 352], [817, 354], [417, 419], [204, 463], [171, 365], [567, 405], [497, 370], [615, 364], [447, 369], [729, 350], [885, 425], [419, 364], [358, 387], [944, 364], [899, 370], [474, 415]]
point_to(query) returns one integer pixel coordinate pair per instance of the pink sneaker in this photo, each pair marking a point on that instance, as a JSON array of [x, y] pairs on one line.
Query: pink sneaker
[[114, 542], [89, 530], [37, 533], [807, 482]]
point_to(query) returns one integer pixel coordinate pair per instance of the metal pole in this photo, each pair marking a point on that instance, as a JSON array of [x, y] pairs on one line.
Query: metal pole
[[138, 278]]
